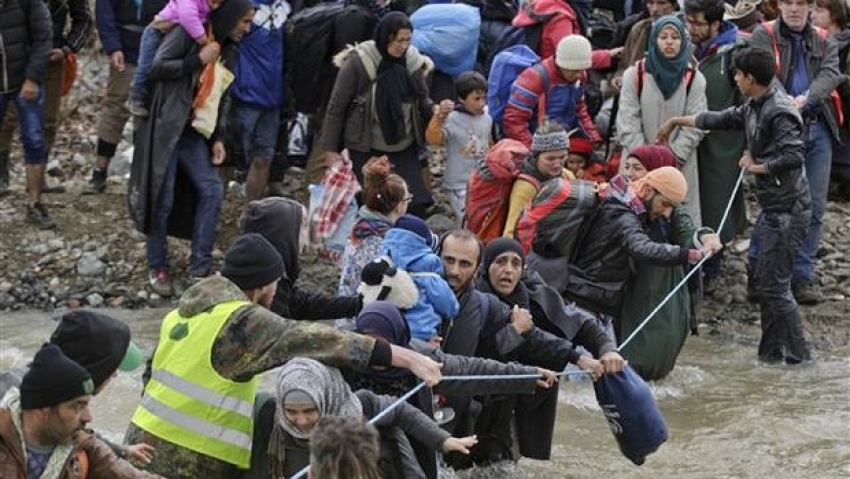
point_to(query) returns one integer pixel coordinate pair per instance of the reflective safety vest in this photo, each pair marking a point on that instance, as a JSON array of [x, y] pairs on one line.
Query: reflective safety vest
[[186, 402]]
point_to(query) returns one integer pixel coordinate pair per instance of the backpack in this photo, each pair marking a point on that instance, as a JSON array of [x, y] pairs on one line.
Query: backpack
[[823, 34], [600, 30], [507, 67], [489, 189], [448, 34], [313, 36], [556, 219], [494, 10], [513, 36]]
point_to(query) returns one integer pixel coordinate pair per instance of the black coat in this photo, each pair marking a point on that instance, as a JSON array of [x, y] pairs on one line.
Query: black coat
[[75, 37], [25, 32], [174, 77]]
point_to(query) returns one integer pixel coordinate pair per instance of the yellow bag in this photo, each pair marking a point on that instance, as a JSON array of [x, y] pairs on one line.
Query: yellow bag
[[213, 83]]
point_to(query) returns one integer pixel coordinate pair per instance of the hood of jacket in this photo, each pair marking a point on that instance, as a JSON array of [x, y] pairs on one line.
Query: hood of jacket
[[279, 221], [541, 11], [842, 39], [410, 252], [205, 294], [368, 52]]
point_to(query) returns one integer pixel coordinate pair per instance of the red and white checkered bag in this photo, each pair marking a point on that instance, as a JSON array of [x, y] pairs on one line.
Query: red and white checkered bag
[[340, 186]]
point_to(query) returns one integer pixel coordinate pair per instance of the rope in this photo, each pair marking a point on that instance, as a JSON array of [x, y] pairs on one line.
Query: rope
[[692, 271]]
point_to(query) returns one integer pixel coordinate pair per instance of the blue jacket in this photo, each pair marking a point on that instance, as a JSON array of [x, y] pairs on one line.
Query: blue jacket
[[259, 71], [120, 24], [437, 301]]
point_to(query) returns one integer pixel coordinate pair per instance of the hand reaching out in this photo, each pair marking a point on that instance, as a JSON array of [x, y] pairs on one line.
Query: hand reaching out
[[459, 444]]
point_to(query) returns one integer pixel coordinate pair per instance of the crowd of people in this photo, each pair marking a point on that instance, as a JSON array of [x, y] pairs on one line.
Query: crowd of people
[[588, 174]]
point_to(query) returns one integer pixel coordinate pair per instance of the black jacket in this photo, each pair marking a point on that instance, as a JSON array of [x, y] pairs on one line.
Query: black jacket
[[24, 42], [774, 131], [81, 23]]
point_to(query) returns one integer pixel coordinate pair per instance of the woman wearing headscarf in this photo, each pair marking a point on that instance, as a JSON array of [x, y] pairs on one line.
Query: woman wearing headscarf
[[660, 87], [382, 319], [653, 352], [307, 391], [380, 105], [503, 274], [281, 221]]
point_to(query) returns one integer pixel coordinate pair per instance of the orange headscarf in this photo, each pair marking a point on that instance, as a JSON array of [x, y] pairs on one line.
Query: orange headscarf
[[666, 180]]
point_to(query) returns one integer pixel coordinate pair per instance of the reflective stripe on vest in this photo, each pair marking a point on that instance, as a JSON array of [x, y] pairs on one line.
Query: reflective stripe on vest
[[186, 402]]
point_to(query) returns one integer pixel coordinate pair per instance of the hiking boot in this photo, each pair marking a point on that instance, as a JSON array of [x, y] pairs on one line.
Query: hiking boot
[[752, 285], [806, 292], [136, 104], [160, 282], [37, 215], [97, 184], [4, 174], [275, 188]]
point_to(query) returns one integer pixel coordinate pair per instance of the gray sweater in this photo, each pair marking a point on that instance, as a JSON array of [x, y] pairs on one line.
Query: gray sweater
[[467, 141]]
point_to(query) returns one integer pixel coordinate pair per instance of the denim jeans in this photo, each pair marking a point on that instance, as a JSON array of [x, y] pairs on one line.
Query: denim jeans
[[151, 40], [780, 236], [192, 156], [31, 118]]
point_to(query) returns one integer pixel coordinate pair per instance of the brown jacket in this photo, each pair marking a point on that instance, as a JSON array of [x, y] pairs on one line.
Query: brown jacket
[[102, 462]]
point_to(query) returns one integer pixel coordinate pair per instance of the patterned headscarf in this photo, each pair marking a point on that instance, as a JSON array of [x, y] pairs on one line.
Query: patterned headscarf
[[653, 157], [325, 387]]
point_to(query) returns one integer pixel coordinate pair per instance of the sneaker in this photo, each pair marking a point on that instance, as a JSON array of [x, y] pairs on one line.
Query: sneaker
[[275, 188], [37, 215], [160, 282], [806, 292], [97, 184]]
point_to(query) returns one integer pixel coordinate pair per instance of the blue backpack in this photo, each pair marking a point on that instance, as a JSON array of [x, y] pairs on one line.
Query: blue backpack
[[448, 34], [507, 66]]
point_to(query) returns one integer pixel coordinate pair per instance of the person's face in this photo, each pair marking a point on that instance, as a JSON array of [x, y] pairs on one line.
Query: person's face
[[303, 416], [744, 82], [574, 163], [460, 260], [475, 102], [62, 421], [551, 163], [634, 169], [659, 8], [571, 76], [660, 206], [399, 43], [699, 29], [504, 273], [669, 42], [821, 17], [243, 26], [794, 13]]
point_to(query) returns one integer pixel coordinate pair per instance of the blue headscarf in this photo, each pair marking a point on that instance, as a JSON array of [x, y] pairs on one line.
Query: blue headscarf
[[667, 73]]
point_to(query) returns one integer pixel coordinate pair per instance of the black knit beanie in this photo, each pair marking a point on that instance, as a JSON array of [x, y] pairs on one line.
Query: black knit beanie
[[53, 379], [252, 262]]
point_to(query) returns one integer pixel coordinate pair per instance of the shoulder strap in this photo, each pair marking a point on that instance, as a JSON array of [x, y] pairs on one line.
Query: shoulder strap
[[641, 67], [769, 27]]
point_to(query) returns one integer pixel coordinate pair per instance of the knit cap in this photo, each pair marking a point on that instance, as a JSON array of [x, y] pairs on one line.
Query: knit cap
[[53, 379], [573, 53], [417, 225], [252, 262], [543, 142]]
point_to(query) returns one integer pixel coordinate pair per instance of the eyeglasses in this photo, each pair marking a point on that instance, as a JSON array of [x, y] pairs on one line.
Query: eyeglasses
[[408, 197]]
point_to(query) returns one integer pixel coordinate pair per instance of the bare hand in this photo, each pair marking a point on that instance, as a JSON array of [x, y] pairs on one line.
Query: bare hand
[[422, 366], [521, 319], [594, 367], [711, 243], [746, 161], [141, 453], [617, 83], [800, 101], [218, 153], [56, 55], [29, 90], [209, 53], [663, 135], [459, 444], [446, 107], [549, 378], [117, 59], [332, 158], [617, 53], [612, 362]]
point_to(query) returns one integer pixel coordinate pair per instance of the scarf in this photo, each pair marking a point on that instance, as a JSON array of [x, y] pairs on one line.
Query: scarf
[[56, 464], [519, 296], [653, 157], [394, 85], [667, 73], [618, 190]]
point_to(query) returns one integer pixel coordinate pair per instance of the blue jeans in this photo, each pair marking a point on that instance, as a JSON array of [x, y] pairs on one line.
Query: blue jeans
[[151, 40], [192, 156], [31, 118], [817, 167]]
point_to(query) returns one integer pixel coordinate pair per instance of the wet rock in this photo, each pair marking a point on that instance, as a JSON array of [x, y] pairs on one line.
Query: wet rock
[[94, 300], [90, 265], [78, 161]]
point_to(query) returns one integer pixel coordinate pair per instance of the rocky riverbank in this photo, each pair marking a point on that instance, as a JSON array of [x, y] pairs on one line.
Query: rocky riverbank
[[96, 259]]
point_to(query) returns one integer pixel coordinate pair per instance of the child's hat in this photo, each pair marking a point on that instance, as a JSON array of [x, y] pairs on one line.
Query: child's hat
[[417, 225]]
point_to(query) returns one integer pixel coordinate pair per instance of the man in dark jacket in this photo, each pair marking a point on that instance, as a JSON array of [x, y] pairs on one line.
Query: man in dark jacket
[[24, 48], [774, 131], [808, 69], [119, 25], [174, 187], [64, 43]]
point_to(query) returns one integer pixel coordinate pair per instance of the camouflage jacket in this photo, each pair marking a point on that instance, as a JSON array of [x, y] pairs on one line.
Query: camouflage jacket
[[252, 341]]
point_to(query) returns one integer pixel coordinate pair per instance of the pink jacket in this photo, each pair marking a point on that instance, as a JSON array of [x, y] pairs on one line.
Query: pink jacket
[[189, 14]]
